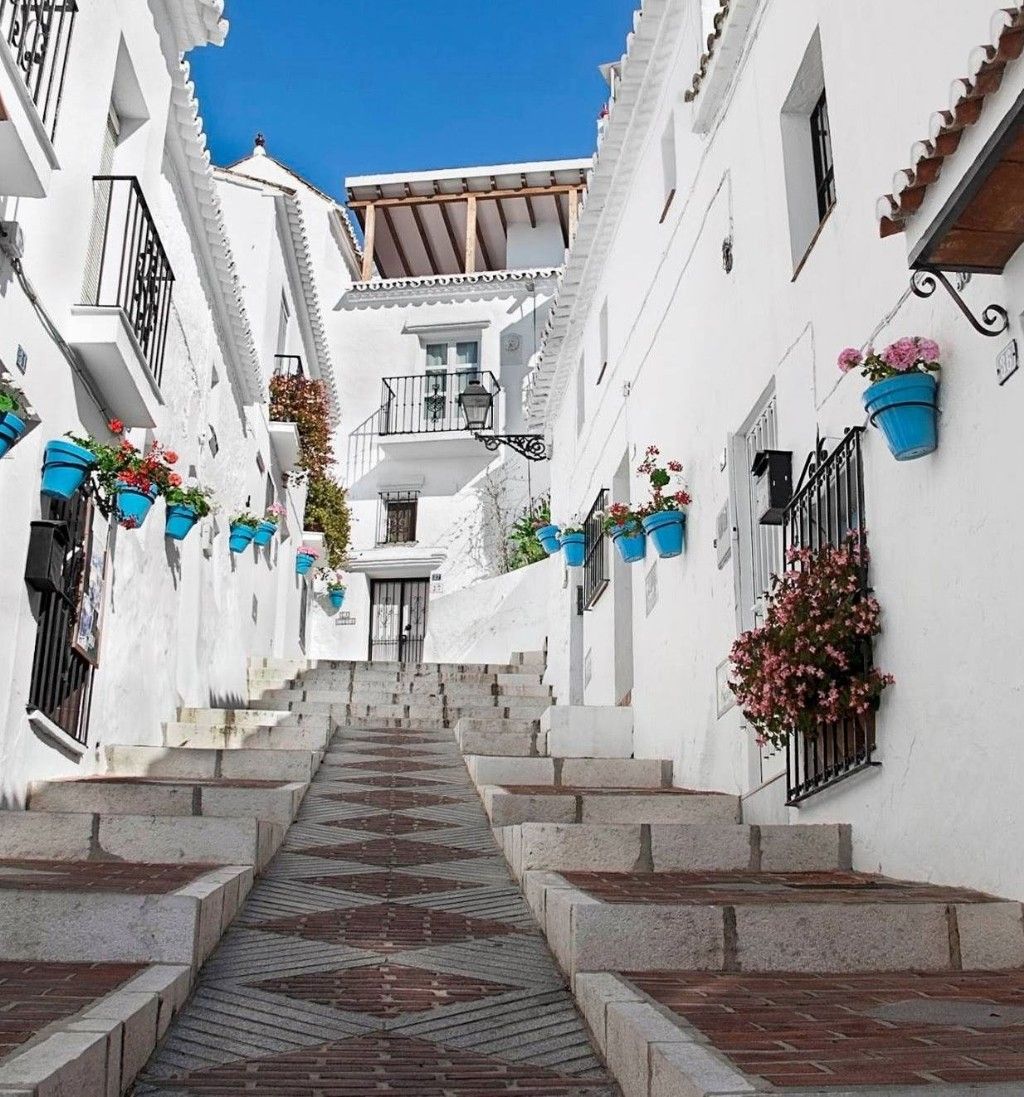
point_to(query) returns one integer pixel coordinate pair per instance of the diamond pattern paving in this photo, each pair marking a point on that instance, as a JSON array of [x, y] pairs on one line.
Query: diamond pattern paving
[[372, 977], [386, 991]]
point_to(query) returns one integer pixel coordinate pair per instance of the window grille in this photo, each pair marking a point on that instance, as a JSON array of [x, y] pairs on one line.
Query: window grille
[[595, 564], [824, 169], [397, 513], [827, 506]]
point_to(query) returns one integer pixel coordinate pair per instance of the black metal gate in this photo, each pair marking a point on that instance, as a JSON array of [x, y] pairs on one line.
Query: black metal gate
[[398, 619], [61, 686]]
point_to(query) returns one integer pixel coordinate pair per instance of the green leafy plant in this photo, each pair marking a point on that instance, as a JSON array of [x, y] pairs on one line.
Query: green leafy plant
[[327, 513], [244, 518], [334, 583], [196, 498], [9, 402], [525, 548]]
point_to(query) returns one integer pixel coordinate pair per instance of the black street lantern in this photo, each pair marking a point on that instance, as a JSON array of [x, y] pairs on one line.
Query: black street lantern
[[476, 403]]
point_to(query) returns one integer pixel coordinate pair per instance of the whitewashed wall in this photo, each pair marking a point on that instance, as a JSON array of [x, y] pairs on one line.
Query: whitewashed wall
[[179, 625], [695, 347]]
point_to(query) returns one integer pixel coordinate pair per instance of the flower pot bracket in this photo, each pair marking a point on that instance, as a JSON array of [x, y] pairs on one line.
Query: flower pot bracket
[[28, 414], [994, 320]]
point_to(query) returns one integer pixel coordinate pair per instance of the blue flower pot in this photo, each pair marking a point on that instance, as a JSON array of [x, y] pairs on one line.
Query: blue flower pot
[[264, 534], [134, 505], [574, 545], [303, 564], [180, 521], [631, 541], [11, 429], [241, 538], [65, 467], [905, 409], [666, 530], [548, 537], [337, 597]]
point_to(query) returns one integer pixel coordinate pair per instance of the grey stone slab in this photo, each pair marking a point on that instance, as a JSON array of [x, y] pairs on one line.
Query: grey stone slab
[[65, 837], [991, 935]]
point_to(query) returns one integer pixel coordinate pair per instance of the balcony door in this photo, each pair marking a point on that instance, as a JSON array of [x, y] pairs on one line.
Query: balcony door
[[398, 619], [441, 393]]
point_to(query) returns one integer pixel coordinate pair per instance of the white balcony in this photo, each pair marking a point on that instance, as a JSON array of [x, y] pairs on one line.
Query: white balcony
[[27, 159], [285, 442], [115, 364]]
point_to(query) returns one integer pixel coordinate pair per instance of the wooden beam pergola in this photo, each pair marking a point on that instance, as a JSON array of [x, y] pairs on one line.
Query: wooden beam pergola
[[428, 247], [402, 257], [470, 258], [450, 229], [529, 203], [369, 242], [574, 214], [480, 196]]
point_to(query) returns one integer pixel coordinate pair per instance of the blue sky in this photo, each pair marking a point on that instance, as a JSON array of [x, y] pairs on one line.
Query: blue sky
[[347, 87]]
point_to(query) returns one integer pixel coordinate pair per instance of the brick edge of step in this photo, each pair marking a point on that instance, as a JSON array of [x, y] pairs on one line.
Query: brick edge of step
[[101, 1049]]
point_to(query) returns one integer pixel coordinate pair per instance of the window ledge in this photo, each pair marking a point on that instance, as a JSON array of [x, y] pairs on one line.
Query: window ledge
[[814, 239], [57, 736]]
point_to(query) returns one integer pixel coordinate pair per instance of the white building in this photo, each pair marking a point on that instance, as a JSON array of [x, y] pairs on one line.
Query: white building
[[121, 297], [732, 243], [457, 276]]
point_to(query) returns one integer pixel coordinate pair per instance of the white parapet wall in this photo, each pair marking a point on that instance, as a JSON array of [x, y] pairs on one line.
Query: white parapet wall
[[483, 623], [588, 731]]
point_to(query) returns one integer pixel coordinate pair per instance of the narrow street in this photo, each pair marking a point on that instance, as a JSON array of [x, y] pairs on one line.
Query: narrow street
[[386, 950]]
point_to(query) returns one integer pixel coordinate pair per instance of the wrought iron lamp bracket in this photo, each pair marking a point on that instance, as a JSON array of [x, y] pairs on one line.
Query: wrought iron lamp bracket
[[530, 446], [994, 320]]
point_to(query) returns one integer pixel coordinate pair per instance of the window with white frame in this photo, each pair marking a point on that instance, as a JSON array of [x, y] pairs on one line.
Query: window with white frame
[[807, 153]]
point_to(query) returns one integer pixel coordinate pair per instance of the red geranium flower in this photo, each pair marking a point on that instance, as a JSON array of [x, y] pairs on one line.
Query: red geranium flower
[[115, 426]]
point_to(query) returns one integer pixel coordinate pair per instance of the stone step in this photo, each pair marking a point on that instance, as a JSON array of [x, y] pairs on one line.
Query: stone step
[[590, 773], [395, 723], [93, 1041], [212, 737], [588, 731], [73, 836], [673, 847], [770, 922], [532, 659], [112, 912], [504, 738], [197, 762], [248, 717], [275, 801], [512, 804], [413, 670], [383, 691]]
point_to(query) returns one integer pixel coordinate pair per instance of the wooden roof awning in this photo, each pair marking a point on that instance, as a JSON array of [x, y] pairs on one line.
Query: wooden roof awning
[[455, 222], [980, 225]]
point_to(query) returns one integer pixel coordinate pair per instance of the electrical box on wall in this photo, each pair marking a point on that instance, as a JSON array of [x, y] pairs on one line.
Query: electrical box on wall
[[773, 485], [47, 548]]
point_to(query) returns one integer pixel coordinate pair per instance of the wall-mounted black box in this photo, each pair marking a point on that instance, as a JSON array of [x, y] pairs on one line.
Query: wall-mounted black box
[[773, 469], [47, 550]]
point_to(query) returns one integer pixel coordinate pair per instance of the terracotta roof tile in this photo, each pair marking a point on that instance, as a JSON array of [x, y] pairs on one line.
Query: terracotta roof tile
[[967, 101], [704, 64]]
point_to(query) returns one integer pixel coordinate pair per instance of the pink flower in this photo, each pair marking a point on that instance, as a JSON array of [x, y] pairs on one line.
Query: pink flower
[[928, 351], [901, 355], [849, 359]]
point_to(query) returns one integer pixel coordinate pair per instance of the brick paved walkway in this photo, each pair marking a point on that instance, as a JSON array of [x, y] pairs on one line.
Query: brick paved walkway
[[386, 951]]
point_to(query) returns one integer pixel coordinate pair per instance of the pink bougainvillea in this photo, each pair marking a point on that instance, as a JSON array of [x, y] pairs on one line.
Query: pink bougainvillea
[[806, 665]]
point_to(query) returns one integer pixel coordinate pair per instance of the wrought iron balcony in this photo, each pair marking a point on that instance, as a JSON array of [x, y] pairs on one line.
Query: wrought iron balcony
[[428, 403], [38, 35], [128, 267]]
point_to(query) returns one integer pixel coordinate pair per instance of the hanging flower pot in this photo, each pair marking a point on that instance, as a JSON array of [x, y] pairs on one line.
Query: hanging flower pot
[[666, 529], [905, 409], [337, 597], [574, 546], [304, 560], [631, 541], [65, 467], [548, 537], [180, 520], [133, 504], [12, 427], [243, 530], [902, 400], [264, 534]]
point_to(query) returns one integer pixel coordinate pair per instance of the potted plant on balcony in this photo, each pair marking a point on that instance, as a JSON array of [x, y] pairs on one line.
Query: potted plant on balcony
[[543, 530], [664, 517], [626, 530], [243, 527], [902, 399], [66, 466], [574, 545], [809, 664], [305, 558], [336, 591], [185, 506], [268, 525], [12, 426]]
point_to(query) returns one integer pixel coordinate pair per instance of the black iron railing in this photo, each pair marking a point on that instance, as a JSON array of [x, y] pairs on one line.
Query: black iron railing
[[288, 365], [38, 34], [61, 685], [595, 564], [427, 402], [827, 507], [132, 271]]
